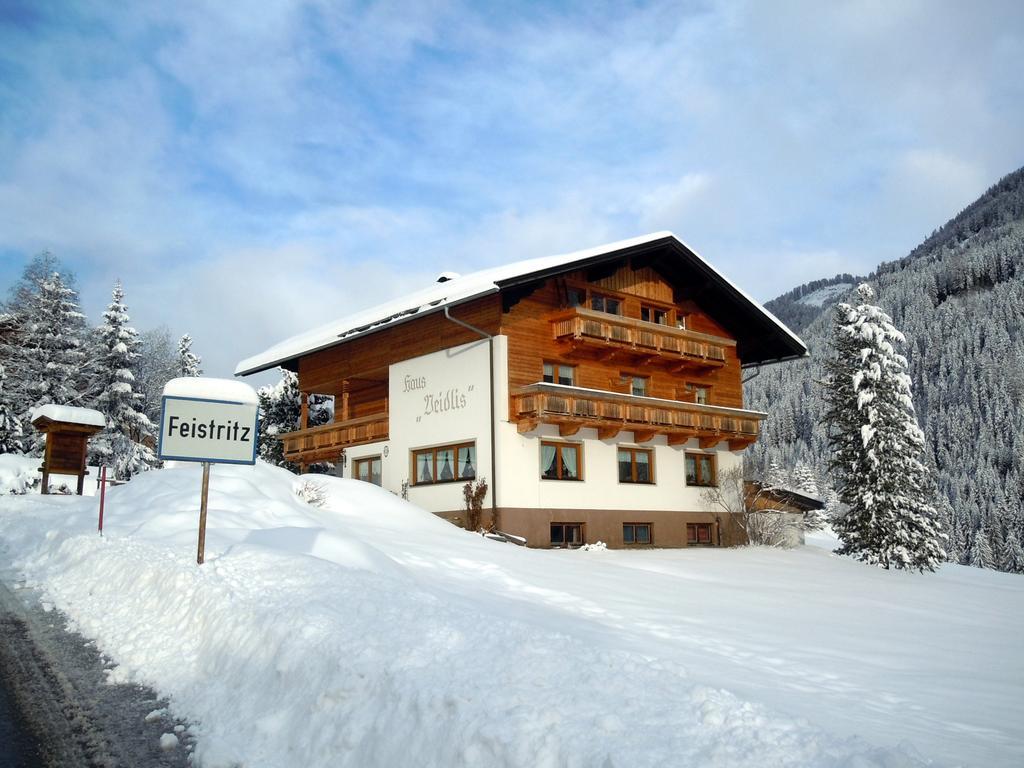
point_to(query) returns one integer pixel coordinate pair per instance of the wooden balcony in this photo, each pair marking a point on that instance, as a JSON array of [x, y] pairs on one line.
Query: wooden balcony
[[325, 443], [677, 347], [573, 408]]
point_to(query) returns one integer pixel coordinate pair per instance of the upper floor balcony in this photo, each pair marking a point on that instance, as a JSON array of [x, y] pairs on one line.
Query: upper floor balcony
[[325, 442], [676, 347], [573, 408]]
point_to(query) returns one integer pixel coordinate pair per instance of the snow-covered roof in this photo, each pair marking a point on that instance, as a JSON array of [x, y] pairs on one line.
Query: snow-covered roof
[[70, 414], [206, 388], [461, 288]]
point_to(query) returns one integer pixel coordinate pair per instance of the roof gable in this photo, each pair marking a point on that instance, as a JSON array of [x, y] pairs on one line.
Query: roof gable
[[761, 337]]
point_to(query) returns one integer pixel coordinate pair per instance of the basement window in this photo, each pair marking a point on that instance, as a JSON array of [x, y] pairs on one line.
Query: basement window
[[567, 534], [699, 535], [636, 533]]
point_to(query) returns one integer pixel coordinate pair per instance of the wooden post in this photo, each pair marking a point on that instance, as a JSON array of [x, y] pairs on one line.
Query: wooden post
[[84, 466], [344, 400], [304, 411], [103, 493], [202, 513]]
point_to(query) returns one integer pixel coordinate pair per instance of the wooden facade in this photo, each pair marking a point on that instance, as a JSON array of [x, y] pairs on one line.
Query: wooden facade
[[606, 351]]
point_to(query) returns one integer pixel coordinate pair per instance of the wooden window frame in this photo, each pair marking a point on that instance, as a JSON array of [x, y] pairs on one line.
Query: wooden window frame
[[565, 545], [559, 464], [631, 377], [690, 387], [454, 447], [695, 541], [557, 367], [634, 464], [634, 542], [370, 460], [593, 295], [700, 482], [652, 307]]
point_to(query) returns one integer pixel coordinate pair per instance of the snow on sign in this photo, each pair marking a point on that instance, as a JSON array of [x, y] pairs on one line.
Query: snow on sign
[[209, 420]]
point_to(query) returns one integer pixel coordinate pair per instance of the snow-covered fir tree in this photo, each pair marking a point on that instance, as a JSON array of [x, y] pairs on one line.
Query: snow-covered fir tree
[[126, 443], [1011, 558], [45, 355], [279, 413], [188, 361], [877, 447], [980, 554], [10, 426], [775, 476], [156, 365], [804, 480]]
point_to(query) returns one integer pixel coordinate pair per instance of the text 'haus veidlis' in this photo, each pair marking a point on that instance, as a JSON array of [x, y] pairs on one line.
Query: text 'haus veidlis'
[[598, 392]]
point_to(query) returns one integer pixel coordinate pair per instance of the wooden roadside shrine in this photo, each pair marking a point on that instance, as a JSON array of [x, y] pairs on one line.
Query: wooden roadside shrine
[[67, 429]]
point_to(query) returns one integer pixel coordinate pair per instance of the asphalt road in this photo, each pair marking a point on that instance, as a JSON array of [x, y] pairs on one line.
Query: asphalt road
[[56, 708]]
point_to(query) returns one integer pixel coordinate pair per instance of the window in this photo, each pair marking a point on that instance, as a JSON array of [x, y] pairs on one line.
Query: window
[[444, 464], [577, 297], [635, 465], [559, 373], [367, 470], [653, 315], [636, 533], [698, 393], [605, 304], [698, 534], [700, 469], [560, 461], [567, 534], [637, 384]]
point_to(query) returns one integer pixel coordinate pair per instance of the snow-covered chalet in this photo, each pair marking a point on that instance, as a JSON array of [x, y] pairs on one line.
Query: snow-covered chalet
[[598, 393]]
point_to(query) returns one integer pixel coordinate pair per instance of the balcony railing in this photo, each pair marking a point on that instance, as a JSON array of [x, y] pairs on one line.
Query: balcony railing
[[324, 443], [573, 408], [587, 326]]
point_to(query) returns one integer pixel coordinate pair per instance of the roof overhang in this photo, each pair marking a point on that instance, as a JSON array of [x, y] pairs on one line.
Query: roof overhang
[[761, 337]]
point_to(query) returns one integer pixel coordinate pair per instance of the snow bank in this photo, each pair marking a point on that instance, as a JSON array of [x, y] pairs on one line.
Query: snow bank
[[69, 413], [18, 473], [207, 388], [371, 633]]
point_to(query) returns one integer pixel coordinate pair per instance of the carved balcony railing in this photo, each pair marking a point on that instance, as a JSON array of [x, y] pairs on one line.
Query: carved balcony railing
[[573, 408], [589, 328], [325, 442]]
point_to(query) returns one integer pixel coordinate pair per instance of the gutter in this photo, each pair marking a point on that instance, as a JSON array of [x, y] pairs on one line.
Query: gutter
[[490, 352]]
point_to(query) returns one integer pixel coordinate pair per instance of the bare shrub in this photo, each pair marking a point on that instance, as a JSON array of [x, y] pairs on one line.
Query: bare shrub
[[312, 492], [473, 494]]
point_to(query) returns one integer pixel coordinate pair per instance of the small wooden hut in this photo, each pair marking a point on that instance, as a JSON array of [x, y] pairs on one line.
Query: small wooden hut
[[67, 429]]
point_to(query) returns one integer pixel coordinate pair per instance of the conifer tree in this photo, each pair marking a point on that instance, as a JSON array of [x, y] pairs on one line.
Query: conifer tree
[[126, 443], [1011, 559], [279, 413], [10, 425], [980, 554], [188, 362], [877, 447], [47, 355]]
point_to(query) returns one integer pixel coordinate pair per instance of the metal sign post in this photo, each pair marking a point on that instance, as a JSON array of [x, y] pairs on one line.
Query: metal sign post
[[103, 493], [212, 421], [202, 513]]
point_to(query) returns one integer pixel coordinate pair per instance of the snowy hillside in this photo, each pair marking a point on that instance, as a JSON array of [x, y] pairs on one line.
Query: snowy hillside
[[370, 633], [826, 295], [959, 300]]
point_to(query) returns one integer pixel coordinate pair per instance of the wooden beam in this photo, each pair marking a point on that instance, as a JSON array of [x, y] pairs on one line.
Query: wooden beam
[[643, 435], [740, 443], [569, 428], [709, 442], [678, 438], [526, 425], [607, 433]]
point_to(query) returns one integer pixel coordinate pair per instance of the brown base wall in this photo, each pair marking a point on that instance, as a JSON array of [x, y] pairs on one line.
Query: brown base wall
[[668, 529]]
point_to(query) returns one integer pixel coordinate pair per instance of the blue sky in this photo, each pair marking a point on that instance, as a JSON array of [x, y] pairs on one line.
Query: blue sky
[[251, 171]]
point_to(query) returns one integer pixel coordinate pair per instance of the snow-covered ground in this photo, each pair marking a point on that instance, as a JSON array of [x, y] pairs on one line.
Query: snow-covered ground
[[370, 633]]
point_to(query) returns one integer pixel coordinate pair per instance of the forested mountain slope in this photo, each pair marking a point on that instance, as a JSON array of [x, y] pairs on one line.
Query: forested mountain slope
[[959, 298]]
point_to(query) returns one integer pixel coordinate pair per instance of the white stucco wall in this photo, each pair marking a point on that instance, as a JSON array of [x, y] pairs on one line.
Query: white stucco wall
[[457, 380], [600, 488], [434, 400]]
